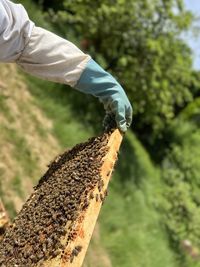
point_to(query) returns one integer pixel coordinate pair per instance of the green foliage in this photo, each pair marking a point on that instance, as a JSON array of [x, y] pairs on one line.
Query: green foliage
[[181, 170], [192, 112], [35, 14], [138, 41]]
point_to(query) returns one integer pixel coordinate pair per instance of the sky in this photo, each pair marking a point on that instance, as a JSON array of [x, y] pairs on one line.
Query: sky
[[194, 43]]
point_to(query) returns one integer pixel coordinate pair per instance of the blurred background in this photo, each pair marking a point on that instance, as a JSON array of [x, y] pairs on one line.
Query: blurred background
[[152, 215]]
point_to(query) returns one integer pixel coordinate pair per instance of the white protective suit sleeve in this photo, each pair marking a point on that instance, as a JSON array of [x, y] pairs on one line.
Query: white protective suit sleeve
[[46, 55], [53, 58], [38, 51], [15, 30]]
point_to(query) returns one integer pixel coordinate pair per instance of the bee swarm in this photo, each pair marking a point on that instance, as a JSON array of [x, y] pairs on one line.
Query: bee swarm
[[61, 195]]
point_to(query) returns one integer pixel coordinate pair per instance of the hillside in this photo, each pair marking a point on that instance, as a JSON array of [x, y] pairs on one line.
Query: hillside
[[26, 140], [34, 127], [27, 147]]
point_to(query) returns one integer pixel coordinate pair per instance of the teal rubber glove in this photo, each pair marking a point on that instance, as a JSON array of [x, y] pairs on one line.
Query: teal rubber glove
[[96, 81]]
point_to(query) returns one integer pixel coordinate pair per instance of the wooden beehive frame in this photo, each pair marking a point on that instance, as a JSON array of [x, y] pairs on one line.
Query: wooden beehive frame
[[84, 225]]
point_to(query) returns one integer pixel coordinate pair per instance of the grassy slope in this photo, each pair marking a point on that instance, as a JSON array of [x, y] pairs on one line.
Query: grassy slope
[[25, 138], [33, 130], [131, 227]]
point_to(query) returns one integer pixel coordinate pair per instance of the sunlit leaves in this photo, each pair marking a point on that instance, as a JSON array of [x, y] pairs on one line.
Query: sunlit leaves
[[138, 42]]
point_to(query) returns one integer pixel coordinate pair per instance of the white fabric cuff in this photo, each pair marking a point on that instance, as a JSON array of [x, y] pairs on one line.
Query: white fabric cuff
[[53, 58]]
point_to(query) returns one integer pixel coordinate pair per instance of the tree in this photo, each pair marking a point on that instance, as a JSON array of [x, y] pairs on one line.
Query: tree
[[138, 41]]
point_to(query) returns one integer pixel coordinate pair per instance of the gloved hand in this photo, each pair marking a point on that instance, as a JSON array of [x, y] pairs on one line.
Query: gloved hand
[[97, 82]]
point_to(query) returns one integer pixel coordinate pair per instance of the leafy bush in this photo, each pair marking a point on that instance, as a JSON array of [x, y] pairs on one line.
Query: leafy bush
[[181, 185], [137, 41], [192, 112]]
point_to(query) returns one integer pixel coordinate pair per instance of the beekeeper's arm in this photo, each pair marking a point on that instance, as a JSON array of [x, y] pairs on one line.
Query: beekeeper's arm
[[53, 58]]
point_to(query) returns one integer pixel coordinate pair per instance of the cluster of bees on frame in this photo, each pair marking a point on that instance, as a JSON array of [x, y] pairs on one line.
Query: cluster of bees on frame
[[44, 227], [101, 195]]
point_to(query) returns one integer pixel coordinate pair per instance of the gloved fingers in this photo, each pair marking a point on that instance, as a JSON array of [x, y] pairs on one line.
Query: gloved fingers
[[129, 116], [121, 111], [120, 117], [109, 121]]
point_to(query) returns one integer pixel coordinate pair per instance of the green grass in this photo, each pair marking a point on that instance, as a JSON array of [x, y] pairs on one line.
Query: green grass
[[4, 108], [130, 225], [17, 186], [9, 205], [131, 232], [24, 167], [22, 153], [53, 100]]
